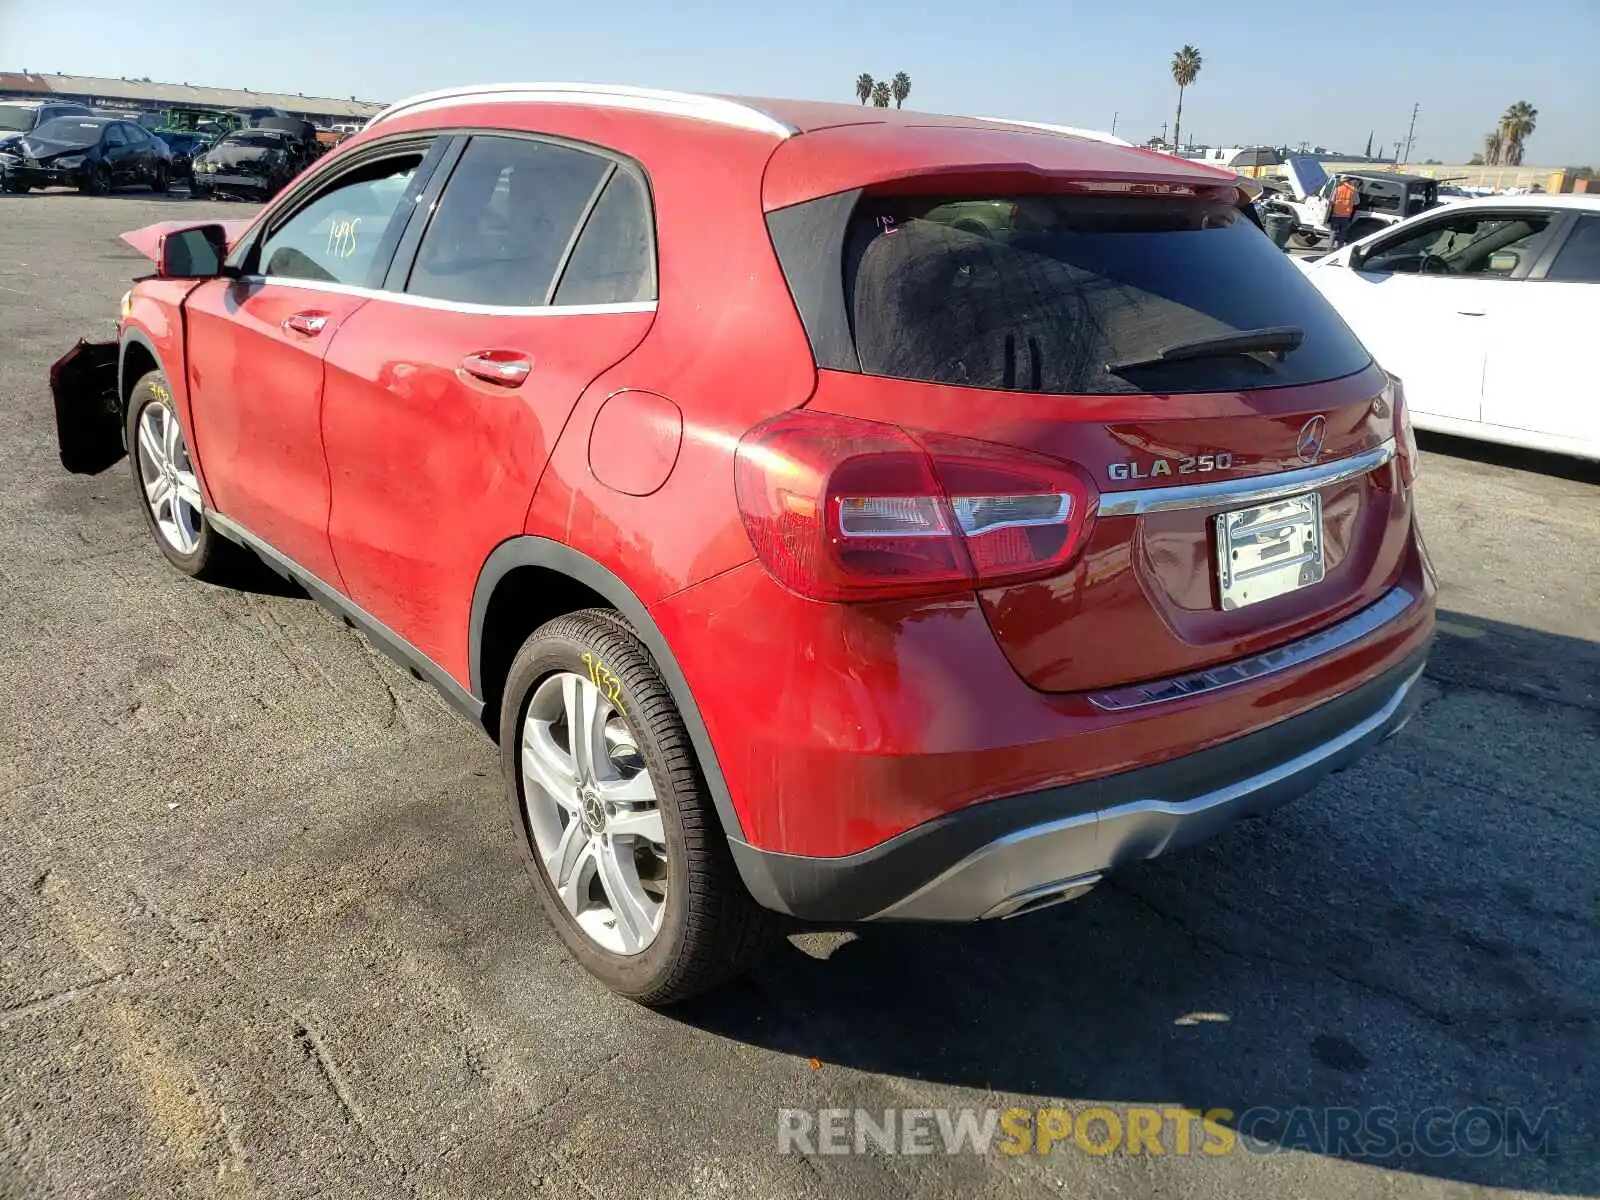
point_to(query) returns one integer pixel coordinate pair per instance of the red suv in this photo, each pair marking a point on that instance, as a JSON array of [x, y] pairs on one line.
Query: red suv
[[849, 514]]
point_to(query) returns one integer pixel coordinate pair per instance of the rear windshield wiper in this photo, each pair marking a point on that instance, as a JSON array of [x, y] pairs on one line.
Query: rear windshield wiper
[[1277, 340]]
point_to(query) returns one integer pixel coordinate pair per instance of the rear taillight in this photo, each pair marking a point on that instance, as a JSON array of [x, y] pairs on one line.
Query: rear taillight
[[1405, 438], [845, 509]]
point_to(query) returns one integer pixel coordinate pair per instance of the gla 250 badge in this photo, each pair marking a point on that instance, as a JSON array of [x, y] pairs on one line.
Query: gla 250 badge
[[1200, 464]]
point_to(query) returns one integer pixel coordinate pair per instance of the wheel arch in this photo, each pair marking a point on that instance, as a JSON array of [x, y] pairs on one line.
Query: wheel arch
[[138, 356], [528, 566]]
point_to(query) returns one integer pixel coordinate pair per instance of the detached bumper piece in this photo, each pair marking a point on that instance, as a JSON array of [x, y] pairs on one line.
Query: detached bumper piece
[[1011, 856], [83, 384]]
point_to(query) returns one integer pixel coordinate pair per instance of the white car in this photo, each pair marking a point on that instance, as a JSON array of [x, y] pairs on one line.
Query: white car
[[1488, 310]]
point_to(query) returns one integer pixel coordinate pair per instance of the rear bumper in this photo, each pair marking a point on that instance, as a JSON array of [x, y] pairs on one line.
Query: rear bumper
[[1007, 856]]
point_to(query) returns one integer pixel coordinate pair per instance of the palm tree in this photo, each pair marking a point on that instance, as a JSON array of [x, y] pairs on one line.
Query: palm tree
[[863, 87], [1185, 66], [880, 94], [1493, 148], [900, 87], [1516, 127]]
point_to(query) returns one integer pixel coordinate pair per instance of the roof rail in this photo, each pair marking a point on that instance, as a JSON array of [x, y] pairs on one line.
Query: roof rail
[[673, 104]]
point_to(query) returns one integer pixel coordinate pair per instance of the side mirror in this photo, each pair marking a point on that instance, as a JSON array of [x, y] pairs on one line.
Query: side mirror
[[194, 253]]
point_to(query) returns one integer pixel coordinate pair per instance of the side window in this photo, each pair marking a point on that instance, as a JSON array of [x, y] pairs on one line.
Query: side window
[[1578, 261], [504, 221], [114, 137], [1479, 245], [613, 261], [335, 238]]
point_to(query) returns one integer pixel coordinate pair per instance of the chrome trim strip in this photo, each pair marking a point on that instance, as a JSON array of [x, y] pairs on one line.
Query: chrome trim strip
[[1260, 666], [430, 302], [715, 109], [1258, 489], [1073, 850]]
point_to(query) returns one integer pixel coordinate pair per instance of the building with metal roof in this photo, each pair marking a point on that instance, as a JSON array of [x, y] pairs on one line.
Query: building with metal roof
[[142, 93]]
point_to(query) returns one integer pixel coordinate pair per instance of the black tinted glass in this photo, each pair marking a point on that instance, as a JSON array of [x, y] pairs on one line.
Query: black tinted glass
[[1579, 259], [613, 261], [1042, 293], [17, 118], [504, 221]]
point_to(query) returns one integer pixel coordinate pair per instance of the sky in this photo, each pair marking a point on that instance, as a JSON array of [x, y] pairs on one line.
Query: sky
[[1325, 73]]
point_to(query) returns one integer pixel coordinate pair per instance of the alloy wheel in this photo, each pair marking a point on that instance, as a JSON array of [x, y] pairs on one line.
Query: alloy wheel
[[171, 487], [593, 813]]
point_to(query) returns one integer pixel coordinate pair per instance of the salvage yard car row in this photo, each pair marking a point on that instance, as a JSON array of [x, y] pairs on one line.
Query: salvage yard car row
[[45, 145]]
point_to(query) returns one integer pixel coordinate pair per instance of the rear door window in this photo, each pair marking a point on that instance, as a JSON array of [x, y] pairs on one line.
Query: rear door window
[[1578, 260], [1048, 293], [505, 222], [614, 259]]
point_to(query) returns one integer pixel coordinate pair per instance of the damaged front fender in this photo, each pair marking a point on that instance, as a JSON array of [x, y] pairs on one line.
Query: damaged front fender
[[83, 384]]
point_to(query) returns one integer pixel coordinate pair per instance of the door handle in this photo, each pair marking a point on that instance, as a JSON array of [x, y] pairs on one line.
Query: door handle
[[503, 368], [1470, 312], [307, 323]]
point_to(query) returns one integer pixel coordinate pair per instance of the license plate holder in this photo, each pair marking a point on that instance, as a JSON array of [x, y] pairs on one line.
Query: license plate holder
[[1268, 550]]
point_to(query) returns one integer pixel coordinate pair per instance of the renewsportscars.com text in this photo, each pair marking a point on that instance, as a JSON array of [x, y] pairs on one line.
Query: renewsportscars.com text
[[1144, 1130]]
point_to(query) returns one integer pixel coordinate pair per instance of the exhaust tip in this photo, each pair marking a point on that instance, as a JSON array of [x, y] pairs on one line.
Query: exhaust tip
[[1044, 896]]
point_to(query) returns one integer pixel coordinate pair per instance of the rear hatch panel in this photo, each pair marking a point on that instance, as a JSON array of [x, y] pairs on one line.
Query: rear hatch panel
[[1140, 602], [994, 317]]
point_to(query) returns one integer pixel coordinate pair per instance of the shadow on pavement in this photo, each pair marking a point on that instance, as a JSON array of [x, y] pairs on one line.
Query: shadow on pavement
[[1561, 466], [1419, 936]]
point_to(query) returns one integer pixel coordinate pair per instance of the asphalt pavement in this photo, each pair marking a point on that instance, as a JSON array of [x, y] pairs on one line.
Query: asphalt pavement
[[263, 930]]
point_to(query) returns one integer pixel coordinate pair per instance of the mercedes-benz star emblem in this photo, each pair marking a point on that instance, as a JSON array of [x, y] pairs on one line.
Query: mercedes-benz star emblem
[[594, 812], [1309, 445]]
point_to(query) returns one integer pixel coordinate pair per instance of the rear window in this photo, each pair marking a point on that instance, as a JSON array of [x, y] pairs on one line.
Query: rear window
[[1045, 293], [254, 141]]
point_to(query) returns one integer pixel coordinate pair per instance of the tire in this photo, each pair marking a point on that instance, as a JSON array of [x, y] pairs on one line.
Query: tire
[[1305, 241], [97, 182], [707, 928], [16, 187], [183, 535], [161, 184]]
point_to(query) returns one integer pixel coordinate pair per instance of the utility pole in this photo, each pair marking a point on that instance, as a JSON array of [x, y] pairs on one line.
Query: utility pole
[[1163, 133], [1113, 124], [1415, 108]]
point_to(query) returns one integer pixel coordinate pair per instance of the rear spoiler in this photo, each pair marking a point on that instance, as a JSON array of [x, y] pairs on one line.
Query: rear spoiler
[[147, 240]]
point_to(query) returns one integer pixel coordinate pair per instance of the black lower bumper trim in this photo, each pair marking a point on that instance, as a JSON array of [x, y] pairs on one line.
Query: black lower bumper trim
[[860, 886]]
